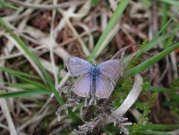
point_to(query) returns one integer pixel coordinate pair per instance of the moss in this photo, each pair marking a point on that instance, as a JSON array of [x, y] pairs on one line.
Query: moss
[[121, 91]]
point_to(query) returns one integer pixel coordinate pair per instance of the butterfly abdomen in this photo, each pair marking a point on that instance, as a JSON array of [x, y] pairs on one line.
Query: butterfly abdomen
[[94, 74]]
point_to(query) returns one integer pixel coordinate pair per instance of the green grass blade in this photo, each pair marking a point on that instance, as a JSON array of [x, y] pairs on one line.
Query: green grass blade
[[112, 22], [23, 86], [159, 39], [164, 11], [155, 41], [147, 63], [172, 2], [158, 89], [24, 93], [34, 59], [7, 5], [157, 129], [150, 132], [19, 73], [29, 80], [160, 127]]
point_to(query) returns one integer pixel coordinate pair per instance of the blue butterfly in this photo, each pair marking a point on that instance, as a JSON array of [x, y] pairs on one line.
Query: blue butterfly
[[97, 80]]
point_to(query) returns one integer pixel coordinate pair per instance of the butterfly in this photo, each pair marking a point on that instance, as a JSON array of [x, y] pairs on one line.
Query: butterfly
[[97, 80]]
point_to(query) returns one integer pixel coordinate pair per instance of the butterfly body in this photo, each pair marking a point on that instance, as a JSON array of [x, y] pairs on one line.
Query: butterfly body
[[98, 80], [94, 74]]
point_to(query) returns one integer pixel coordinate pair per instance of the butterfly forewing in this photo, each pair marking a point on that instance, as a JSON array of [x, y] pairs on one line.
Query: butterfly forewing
[[111, 68], [82, 85], [77, 66], [104, 86]]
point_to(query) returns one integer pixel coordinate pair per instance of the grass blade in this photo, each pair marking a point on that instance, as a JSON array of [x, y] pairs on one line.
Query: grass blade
[[146, 64], [112, 22], [155, 41], [7, 5], [29, 80], [24, 93], [172, 2], [160, 127], [19, 73], [34, 59]]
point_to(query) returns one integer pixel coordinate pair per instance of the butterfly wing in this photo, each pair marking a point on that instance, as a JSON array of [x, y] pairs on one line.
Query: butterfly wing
[[77, 66], [111, 68], [82, 85], [104, 86]]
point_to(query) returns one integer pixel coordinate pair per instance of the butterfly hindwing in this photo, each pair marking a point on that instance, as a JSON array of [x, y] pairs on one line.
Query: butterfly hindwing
[[83, 85], [104, 86]]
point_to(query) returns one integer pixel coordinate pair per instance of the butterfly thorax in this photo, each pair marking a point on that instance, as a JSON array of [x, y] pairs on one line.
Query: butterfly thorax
[[94, 71]]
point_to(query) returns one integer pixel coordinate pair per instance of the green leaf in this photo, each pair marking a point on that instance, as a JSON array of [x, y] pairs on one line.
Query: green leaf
[[73, 115], [95, 2], [111, 129]]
